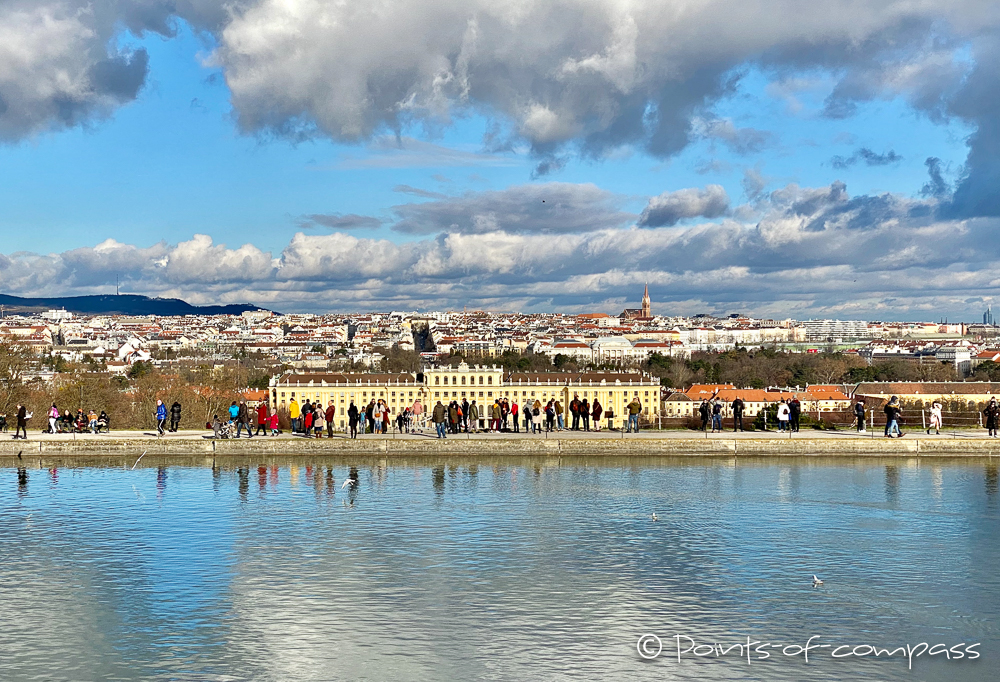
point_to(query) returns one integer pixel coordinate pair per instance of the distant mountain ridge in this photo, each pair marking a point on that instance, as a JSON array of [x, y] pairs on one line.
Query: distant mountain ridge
[[120, 304]]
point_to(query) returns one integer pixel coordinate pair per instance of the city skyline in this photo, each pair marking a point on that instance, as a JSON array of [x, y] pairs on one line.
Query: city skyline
[[834, 163]]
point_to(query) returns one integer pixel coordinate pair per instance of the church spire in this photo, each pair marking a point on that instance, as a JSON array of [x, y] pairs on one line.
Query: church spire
[[646, 305]]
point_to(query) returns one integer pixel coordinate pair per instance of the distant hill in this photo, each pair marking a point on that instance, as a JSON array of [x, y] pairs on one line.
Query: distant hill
[[123, 304]]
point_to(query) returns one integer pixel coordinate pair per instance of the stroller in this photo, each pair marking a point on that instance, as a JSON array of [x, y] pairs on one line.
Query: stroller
[[225, 430]]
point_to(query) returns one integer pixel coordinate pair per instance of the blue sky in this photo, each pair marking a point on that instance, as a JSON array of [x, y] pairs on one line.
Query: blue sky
[[223, 138]]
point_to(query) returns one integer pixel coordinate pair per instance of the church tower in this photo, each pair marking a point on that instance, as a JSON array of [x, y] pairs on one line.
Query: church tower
[[646, 312]]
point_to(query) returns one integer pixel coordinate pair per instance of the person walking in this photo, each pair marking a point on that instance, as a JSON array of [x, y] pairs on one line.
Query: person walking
[[783, 415], [175, 417], [263, 418], [705, 411], [161, 417], [465, 414], [634, 410], [417, 412], [22, 417], [439, 416], [596, 412], [293, 414], [737, 408], [992, 414], [308, 414], [794, 413], [474, 416], [892, 415], [331, 413], [53, 418], [352, 419], [717, 416], [859, 413], [935, 418], [319, 420], [245, 418], [273, 419]]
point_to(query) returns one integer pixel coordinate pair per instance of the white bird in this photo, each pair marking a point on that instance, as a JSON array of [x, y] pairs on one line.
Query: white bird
[[816, 581], [350, 481], [654, 516]]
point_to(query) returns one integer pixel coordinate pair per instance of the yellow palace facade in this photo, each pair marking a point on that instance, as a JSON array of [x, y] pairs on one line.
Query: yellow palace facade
[[484, 384]]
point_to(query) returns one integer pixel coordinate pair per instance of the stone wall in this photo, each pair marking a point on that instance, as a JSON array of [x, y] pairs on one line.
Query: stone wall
[[742, 447]]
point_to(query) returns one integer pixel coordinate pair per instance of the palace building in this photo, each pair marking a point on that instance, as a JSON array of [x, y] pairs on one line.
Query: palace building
[[484, 384]]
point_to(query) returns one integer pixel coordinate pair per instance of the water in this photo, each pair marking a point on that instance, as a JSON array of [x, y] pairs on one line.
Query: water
[[492, 569]]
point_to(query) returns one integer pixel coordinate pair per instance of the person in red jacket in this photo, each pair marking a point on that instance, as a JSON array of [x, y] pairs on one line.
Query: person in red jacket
[[262, 418], [331, 412]]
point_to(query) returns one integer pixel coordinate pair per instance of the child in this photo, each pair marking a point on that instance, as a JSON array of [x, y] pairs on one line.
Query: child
[[274, 424]]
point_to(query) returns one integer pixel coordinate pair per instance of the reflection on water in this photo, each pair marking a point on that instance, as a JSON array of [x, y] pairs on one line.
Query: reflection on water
[[500, 569]]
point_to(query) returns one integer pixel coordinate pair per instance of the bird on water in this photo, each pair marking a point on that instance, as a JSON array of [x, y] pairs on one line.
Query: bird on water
[[816, 581]]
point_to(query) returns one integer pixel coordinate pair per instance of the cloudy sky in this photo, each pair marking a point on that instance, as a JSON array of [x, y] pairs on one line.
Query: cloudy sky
[[775, 157]]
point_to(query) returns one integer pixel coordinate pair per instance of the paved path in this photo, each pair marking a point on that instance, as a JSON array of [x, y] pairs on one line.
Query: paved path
[[650, 434]]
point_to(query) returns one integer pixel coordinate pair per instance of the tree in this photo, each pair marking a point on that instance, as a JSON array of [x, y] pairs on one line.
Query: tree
[[139, 369], [14, 361]]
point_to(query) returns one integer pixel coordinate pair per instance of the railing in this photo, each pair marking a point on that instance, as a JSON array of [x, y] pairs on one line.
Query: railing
[[875, 419]]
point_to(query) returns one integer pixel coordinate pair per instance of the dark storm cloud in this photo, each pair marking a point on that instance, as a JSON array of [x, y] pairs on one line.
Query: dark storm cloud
[[670, 208], [866, 156], [340, 221], [550, 208]]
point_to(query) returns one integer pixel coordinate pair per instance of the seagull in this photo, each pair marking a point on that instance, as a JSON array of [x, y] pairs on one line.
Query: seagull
[[350, 481], [816, 581], [140, 457], [654, 516]]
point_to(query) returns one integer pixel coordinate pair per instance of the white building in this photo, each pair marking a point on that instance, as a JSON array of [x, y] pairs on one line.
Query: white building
[[821, 330], [57, 315]]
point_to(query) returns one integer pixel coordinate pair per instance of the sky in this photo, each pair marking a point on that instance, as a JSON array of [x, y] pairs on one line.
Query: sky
[[775, 158]]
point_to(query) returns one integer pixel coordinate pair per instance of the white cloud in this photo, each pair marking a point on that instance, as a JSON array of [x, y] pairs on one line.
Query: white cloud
[[670, 208], [590, 76], [814, 251]]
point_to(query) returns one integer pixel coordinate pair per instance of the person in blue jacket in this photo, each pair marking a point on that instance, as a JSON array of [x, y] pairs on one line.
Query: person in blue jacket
[[161, 416]]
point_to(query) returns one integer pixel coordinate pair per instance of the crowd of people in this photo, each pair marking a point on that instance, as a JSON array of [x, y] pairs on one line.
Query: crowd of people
[[535, 416], [312, 420], [61, 421]]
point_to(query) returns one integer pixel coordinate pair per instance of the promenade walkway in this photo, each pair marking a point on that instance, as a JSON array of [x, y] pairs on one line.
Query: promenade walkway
[[646, 443], [645, 434]]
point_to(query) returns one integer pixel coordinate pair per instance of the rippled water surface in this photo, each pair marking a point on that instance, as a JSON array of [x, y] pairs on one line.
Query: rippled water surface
[[483, 569]]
